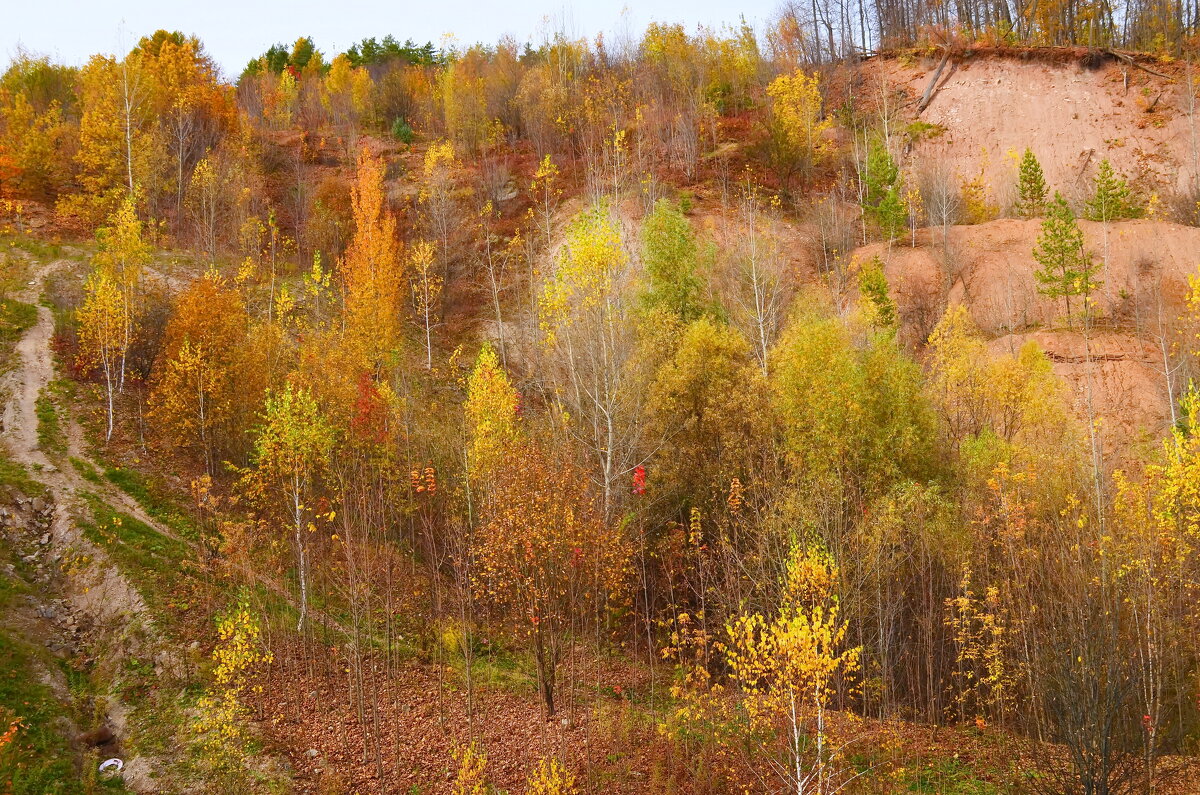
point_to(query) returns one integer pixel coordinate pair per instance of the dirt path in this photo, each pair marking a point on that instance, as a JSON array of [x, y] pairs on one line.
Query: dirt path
[[35, 371], [96, 593]]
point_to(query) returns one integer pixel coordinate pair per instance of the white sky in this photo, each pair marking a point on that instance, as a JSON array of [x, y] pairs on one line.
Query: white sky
[[235, 31]]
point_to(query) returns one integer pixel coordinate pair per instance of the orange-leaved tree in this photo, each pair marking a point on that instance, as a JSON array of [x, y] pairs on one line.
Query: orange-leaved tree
[[113, 137], [548, 565], [195, 386], [371, 267]]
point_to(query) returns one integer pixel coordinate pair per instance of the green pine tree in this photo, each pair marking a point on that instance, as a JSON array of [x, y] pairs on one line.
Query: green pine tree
[[1067, 270], [879, 173], [1031, 187], [891, 214], [1112, 200]]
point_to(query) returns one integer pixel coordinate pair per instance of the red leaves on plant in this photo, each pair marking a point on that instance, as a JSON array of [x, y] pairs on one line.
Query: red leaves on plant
[[639, 480], [369, 421]]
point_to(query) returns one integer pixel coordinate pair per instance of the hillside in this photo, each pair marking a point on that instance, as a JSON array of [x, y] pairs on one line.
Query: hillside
[[989, 268], [986, 108], [691, 415]]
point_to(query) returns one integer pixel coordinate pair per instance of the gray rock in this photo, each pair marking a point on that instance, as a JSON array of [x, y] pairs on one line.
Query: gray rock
[[507, 191]]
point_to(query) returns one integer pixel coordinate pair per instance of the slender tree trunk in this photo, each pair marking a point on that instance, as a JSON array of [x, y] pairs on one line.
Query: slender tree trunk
[[798, 767], [303, 564], [128, 107], [108, 386], [428, 334], [545, 672]]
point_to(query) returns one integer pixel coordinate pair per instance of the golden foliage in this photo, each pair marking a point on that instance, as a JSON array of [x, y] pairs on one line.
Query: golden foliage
[[221, 716], [491, 413], [471, 778], [371, 267], [551, 778]]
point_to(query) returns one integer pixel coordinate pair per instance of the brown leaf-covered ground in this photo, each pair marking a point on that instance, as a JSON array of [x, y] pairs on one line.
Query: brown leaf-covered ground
[[422, 717], [612, 743]]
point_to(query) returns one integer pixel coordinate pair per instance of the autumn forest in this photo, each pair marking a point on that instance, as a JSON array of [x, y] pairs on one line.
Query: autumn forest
[[805, 407]]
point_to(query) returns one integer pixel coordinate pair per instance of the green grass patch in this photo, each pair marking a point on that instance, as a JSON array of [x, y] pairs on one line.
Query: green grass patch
[[159, 567], [16, 317], [86, 471], [154, 501], [14, 269], [163, 571], [40, 249], [50, 433], [15, 479], [39, 759], [923, 129], [948, 777]]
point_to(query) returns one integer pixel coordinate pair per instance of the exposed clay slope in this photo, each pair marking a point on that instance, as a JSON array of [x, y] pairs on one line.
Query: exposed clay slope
[[1070, 116], [989, 268]]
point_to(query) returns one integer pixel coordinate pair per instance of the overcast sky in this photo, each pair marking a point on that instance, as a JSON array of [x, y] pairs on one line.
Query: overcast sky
[[234, 31]]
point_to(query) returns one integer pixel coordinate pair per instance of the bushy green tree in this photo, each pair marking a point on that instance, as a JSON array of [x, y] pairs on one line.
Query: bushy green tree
[[891, 214], [879, 173], [671, 256], [853, 416], [873, 287], [709, 398]]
